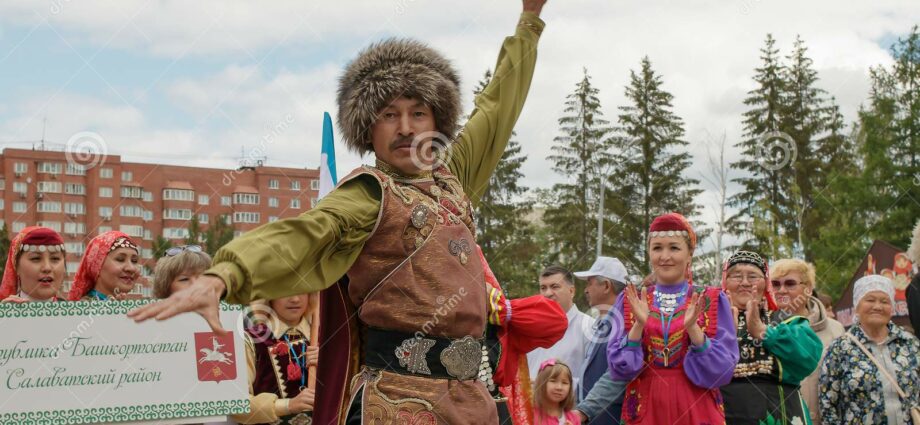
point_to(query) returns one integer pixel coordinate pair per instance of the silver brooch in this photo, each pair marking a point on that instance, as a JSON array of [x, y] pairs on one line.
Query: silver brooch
[[411, 354], [462, 358], [419, 216]]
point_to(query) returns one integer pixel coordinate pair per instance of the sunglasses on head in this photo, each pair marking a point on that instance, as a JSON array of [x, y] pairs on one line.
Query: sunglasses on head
[[176, 250], [788, 283]]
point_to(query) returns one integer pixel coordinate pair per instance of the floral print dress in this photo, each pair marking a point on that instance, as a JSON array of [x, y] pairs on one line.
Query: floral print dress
[[851, 386]]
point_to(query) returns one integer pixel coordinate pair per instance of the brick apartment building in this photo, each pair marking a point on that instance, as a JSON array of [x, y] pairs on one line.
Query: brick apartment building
[[48, 188]]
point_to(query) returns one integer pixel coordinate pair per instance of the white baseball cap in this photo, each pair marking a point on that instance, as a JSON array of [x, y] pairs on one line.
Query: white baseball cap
[[608, 267]]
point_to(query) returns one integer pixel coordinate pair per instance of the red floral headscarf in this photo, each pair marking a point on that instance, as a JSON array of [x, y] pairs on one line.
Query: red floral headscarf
[[41, 238], [91, 264]]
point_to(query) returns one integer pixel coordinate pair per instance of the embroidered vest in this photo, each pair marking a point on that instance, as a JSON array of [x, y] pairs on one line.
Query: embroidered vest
[[419, 271]]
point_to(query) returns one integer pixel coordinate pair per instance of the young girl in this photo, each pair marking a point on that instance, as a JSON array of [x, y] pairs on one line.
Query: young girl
[[553, 395]]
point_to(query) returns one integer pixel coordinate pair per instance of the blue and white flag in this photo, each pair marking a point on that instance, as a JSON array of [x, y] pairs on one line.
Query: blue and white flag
[[327, 175]]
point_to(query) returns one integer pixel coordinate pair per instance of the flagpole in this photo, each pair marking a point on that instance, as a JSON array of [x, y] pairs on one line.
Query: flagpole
[[327, 181]]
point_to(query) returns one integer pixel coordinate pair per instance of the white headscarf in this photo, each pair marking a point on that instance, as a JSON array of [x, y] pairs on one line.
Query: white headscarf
[[869, 283]]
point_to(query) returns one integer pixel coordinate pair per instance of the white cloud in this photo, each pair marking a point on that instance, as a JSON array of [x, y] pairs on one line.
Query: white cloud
[[706, 53]]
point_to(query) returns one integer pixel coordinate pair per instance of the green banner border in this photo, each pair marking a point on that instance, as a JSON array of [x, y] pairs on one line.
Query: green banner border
[[110, 414], [129, 413], [81, 308]]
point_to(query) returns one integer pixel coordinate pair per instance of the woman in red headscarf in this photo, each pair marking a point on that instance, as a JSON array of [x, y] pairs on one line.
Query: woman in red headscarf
[[34, 266], [673, 341], [108, 270]]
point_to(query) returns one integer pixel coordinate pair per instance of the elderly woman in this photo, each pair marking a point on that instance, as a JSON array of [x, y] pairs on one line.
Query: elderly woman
[[794, 284], [178, 268], [674, 341], [857, 388], [108, 270], [776, 353], [34, 266]]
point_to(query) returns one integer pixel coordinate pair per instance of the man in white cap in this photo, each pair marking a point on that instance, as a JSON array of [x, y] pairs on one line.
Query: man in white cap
[[557, 284], [600, 398]]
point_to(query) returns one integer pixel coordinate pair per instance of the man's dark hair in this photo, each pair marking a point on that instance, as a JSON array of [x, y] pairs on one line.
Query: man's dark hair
[[557, 269]]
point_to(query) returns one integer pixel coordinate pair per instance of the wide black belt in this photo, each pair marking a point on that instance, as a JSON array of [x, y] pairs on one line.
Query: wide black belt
[[412, 354]]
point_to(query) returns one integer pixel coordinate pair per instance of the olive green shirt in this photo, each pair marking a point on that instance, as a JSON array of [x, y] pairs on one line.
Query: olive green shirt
[[312, 251]]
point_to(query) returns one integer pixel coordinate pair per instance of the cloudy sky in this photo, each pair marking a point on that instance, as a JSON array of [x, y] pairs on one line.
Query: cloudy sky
[[195, 82]]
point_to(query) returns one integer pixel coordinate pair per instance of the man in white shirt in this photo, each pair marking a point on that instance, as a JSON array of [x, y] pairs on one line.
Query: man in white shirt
[[558, 284]]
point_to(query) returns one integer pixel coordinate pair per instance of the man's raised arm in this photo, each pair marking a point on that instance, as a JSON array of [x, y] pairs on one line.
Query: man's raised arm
[[482, 141]]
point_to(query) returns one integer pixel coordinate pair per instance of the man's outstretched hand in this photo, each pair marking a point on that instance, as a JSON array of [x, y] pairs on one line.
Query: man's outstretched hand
[[202, 297], [535, 6]]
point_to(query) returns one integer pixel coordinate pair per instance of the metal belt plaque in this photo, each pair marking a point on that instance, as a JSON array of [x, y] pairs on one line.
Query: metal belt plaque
[[87, 362]]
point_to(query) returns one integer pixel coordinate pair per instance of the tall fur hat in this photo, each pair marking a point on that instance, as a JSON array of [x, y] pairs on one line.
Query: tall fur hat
[[390, 69]]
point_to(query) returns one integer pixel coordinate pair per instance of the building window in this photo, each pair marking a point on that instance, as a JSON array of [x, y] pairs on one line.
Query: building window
[[295, 185], [225, 201], [272, 219], [237, 233], [18, 226], [148, 196], [105, 192], [246, 217], [295, 204], [72, 266], [246, 198], [313, 202], [102, 229], [148, 235], [74, 208], [132, 192], [20, 187], [203, 199], [105, 212], [175, 232], [48, 207], [132, 230], [75, 169], [21, 168], [50, 168], [19, 207], [314, 184], [127, 176], [105, 173], [178, 195], [53, 225], [227, 219], [130, 211], [177, 214], [148, 215], [74, 189], [273, 202], [48, 187], [203, 218], [74, 248], [273, 184], [74, 228], [1, 204]]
